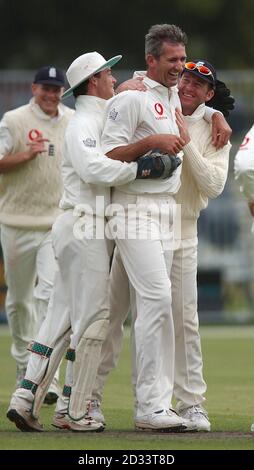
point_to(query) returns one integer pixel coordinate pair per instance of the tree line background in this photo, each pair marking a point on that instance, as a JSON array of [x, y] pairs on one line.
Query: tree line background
[[34, 33], [40, 32]]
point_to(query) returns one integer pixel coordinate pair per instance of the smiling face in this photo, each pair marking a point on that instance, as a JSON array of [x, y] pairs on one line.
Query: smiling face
[[193, 91], [47, 97], [105, 84], [167, 68]]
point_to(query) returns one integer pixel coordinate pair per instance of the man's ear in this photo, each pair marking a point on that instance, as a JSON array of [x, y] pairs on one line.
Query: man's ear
[[150, 60], [210, 94], [33, 87], [93, 80]]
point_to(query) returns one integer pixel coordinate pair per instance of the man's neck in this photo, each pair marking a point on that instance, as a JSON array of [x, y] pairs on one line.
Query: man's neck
[[189, 110], [150, 75]]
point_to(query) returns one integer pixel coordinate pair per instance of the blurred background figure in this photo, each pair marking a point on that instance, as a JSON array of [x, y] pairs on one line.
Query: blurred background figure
[[244, 175], [30, 154]]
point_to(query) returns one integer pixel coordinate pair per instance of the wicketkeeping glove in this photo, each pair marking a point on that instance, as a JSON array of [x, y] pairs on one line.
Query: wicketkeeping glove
[[222, 100], [157, 165]]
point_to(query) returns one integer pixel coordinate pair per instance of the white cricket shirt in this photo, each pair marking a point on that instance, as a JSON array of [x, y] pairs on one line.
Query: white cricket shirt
[[244, 165], [133, 115], [86, 171]]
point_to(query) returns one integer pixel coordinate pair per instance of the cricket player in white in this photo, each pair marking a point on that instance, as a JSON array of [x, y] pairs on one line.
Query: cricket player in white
[[131, 117], [31, 139], [244, 174]]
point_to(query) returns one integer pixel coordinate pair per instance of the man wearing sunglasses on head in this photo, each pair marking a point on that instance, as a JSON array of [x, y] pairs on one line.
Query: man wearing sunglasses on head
[[204, 172]]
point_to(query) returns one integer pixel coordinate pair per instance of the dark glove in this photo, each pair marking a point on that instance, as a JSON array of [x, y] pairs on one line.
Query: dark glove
[[222, 100], [157, 165]]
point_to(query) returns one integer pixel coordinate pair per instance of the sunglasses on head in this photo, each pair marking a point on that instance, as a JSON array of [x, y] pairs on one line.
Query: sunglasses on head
[[201, 68]]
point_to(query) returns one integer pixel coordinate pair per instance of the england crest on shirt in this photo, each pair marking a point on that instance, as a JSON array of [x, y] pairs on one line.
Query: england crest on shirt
[[113, 114], [88, 142], [51, 150]]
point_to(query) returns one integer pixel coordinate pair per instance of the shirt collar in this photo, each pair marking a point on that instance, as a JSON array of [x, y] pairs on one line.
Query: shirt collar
[[88, 101], [153, 84], [197, 114]]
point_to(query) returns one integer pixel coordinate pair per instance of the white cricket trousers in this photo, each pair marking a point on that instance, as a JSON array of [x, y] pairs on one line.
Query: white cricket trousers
[[29, 267], [80, 294], [119, 307], [84, 267], [189, 385], [146, 264]]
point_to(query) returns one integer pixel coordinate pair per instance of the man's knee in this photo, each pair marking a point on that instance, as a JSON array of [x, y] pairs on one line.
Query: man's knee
[[97, 330]]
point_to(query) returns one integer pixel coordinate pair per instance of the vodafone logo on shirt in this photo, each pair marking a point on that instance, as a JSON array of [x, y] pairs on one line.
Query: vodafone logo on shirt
[[159, 111], [158, 108]]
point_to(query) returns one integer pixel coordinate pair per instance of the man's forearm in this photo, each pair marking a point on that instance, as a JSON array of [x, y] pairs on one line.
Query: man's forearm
[[131, 152], [12, 161]]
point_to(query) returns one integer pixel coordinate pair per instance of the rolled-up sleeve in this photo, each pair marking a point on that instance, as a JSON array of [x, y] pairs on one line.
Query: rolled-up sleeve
[[90, 163], [209, 112], [123, 115]]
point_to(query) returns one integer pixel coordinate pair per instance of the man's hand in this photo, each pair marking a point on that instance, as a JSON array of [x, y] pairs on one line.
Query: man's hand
[[131, 84], [12, 161], [183, 130], [251, 207], [168, 143], [221, 131], [36, 146]]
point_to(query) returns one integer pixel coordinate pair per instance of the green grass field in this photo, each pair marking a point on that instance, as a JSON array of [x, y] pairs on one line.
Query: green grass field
[[228, 358]]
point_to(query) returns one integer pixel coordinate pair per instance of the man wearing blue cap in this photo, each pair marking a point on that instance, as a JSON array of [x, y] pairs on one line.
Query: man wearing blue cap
[[30, 154]]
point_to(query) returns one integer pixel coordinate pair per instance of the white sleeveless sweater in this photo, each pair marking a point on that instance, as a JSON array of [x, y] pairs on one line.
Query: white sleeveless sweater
[[30, 194]]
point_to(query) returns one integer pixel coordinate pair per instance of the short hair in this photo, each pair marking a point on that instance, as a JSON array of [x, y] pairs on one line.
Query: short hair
[[160, 33], [83, 87]]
